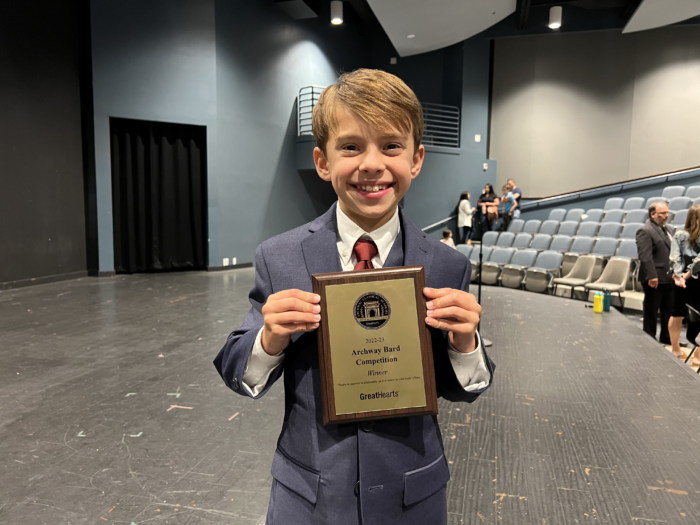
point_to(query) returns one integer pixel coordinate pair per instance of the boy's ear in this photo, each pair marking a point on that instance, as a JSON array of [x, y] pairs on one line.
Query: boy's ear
[[418, 157], [321, 163]]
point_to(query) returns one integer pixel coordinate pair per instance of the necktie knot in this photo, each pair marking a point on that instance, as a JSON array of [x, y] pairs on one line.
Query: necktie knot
[[365, 250]]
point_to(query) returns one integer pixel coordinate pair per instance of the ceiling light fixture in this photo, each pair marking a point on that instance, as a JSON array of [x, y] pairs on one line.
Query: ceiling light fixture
[[411, 36], [555, 17], [336, 12]]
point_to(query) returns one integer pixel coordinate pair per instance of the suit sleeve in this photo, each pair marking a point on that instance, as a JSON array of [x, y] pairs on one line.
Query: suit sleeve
[[232, 359], [645, 254], [448, 385]]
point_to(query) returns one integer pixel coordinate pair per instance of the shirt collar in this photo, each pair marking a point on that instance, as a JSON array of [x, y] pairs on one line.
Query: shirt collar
[[349, 232]]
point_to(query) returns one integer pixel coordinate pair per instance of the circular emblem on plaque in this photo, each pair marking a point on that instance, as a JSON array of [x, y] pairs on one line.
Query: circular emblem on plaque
[[372, 310]]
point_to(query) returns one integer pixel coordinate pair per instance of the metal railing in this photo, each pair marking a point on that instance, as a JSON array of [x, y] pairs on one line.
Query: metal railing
[[308, 96], [441, 125], [441, 121]]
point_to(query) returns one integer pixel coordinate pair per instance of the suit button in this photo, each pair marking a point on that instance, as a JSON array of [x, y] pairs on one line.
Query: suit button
[[235, 384], [367, 426]]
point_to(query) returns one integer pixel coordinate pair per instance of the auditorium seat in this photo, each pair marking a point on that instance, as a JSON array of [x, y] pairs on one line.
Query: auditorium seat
[[514, 272], [679, 218], [465, 249], [580, 274], [588, 229], [491, 269], [614, 216], [568, 228], [673, 191], [516, 226], [594, 215], [633, 203], [613, 203], [637, 216], [557, 214], [489, 238], [603, 249], [505, 240], [580, 246], [549, 227], [541, 242], [693, 192], [522, 241], [613, 279], [532, 226], [652, 200], [696, 202], [629, 231], [610, 229], [561, 243], [474, 258], [679, 203], [628, 250], [574, 214], [546, 267]]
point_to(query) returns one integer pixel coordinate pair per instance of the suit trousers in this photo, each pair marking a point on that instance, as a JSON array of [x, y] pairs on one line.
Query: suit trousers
[[657, 298]]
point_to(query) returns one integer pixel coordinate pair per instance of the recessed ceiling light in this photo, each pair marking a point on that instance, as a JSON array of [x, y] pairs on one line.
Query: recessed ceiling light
[[411, 36]]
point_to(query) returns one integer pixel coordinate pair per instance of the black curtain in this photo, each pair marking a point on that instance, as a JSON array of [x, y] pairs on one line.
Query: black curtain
[[159, 196]]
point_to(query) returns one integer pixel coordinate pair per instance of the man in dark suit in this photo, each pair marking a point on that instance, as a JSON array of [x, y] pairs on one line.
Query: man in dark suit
[[653, 247]]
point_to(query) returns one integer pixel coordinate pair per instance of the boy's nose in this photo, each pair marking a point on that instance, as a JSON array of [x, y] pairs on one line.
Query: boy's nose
[[372, 161]]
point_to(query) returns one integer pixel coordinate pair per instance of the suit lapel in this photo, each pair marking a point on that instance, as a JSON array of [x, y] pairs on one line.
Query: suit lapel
[[320, 248], [417, 249]]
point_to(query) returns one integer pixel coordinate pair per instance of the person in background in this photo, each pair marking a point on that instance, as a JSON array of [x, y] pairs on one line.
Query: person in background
[[447, 238], [488, 209], [685, 248], [509, 205], [517, 194], [464, 218], [654, 246]]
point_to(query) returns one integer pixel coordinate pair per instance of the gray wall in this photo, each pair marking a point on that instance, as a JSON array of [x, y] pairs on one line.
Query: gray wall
[[572, 111], [42, 223], [237, 67]]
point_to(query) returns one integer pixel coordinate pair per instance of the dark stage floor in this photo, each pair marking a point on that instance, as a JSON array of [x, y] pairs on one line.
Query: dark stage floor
[[111, 411]]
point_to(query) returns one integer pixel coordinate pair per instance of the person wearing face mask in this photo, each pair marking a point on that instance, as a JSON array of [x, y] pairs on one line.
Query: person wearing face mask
[[653, 247]]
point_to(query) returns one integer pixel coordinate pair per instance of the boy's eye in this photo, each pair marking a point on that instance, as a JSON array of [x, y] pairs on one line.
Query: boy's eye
[[393, 146], [351, 147]]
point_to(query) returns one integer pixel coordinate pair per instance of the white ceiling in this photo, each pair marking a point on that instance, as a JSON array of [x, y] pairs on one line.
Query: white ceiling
[[437, 23], [659, 13]]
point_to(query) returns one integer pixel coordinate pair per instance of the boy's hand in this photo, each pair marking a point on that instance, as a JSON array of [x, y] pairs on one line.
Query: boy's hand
[[455, 311], [286, 313]]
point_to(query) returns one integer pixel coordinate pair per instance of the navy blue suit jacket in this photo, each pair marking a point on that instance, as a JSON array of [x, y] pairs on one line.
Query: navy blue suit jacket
[[388, 472]]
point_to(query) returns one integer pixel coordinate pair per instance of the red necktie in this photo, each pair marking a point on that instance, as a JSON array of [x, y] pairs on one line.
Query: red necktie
[[364, 250]]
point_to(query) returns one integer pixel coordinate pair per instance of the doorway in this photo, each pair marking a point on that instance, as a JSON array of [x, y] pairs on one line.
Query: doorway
[[159, 196]]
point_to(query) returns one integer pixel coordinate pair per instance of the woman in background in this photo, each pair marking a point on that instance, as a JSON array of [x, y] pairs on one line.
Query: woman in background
[[488, 209], [447, 238], [685, 248], [464, 218]]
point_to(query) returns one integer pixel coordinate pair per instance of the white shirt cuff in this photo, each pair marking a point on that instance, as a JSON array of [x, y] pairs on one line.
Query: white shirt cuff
[[470, 368], [259, 367]]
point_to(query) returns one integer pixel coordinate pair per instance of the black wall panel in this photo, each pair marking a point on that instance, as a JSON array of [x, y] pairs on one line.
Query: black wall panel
[[42, 219]]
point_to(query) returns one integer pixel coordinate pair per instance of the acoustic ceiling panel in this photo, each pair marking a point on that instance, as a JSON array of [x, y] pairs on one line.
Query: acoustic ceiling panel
[[658, 13], [436, 23]]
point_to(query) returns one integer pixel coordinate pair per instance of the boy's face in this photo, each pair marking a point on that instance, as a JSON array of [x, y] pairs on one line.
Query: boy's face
[[370, 169]]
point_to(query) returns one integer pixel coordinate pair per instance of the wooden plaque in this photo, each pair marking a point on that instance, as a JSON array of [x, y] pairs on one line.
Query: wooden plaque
[[375, 350]]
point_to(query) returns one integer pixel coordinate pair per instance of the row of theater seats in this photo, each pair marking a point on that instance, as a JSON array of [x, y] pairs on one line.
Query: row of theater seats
[[533, 261]]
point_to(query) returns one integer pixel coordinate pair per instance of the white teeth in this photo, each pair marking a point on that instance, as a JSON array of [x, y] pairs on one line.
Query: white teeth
[[372, 188]]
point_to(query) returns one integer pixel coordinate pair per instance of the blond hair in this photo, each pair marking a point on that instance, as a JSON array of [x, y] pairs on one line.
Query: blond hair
[[692, 224], [378, 98]]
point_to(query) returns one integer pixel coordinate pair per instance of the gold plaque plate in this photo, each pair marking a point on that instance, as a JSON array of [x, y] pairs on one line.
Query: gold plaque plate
[[374, 347]]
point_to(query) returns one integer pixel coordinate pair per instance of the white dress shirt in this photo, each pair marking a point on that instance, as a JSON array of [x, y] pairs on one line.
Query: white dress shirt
[[470, 368]]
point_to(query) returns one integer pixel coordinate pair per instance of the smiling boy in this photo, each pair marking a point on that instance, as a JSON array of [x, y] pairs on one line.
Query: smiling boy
[[368, 129]]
